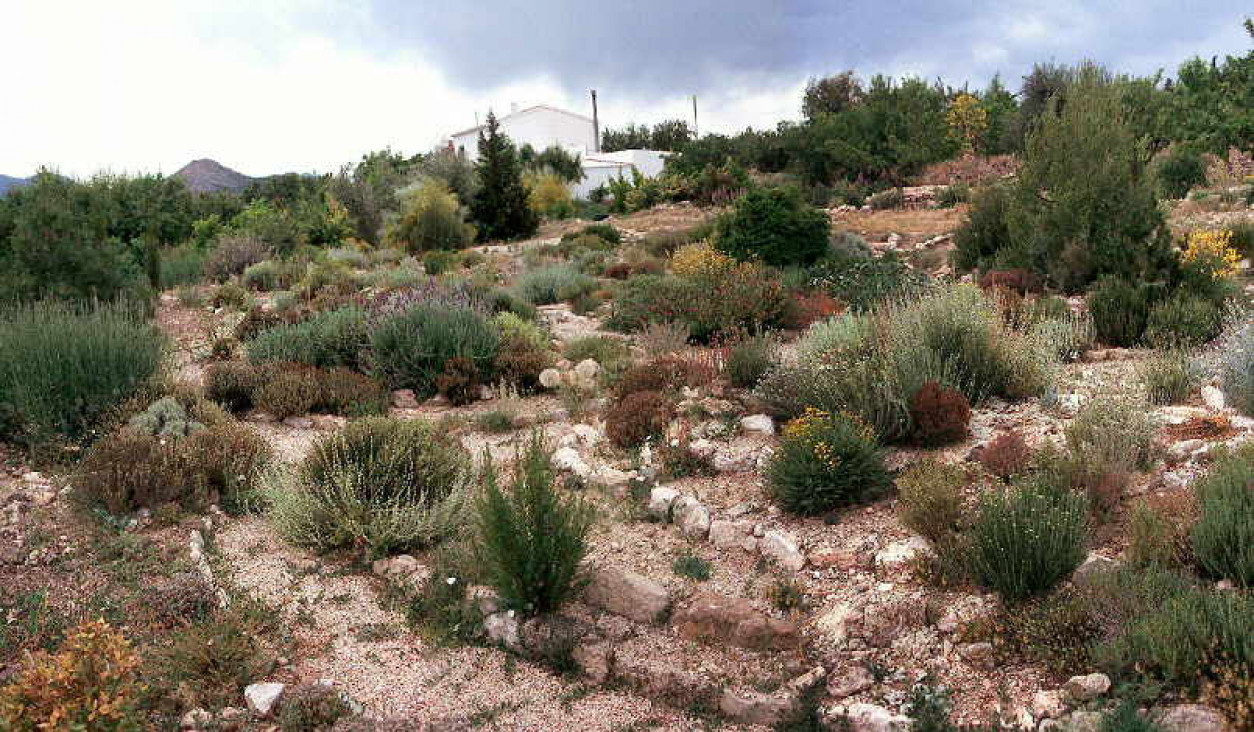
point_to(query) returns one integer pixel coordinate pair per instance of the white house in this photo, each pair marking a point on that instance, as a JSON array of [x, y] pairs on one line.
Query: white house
[[543, 126]]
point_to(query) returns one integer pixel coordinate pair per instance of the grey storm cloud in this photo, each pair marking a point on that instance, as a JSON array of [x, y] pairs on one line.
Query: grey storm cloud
[[675, 47]]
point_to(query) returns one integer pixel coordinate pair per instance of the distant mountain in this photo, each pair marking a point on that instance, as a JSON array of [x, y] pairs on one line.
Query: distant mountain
[[8, 182], [207, 176]]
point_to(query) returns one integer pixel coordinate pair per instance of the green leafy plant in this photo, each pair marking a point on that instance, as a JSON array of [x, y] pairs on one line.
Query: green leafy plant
[[691, 566], [1237, 371], [411, 349], [334, 338], [1183, 321], [1223, 538], [1120, 311], [773, 226], [532, 539], [750, 359], [825, 462]]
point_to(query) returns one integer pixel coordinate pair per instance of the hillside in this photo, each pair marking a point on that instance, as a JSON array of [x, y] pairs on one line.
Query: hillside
[[8, 181], [207, 176]]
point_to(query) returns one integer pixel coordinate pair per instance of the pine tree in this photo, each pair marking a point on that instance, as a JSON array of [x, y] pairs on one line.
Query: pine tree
[[500, 207]]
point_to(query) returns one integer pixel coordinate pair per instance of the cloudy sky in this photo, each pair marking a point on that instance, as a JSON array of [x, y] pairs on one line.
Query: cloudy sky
[[267, 86]]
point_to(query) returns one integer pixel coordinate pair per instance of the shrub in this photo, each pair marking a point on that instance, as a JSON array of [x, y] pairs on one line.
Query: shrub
[[864, 283], [699, 259], [746, 297], [384, 484], [431, 218], [549, 196], [1177, 170], [1018, 280], [773, 226], [334, 338], [1237, 371], [940, 415], [62, 368], [311, 707], [636, 417], [233, 383], [459, 382], [1223, 538], [1183, 321], [931, 498], [553, 284], [886, 199], [1026, 540], [691, 566], [604, 231], [348, 393], [182, 265], [1006, 455], [520, 360], [1189, 639], [91, 682], [531, 538], [749, 359], [1120, 311], [1161, 528], [666, 374], [824, 462], [411, 349], [234, 253], [210, 663], [1169, 377], [444, 610], [981, 237], [438, 261], [131, 469], [1111, 436], [290, 392], [612, 353], [1057, 630], [658, 339]]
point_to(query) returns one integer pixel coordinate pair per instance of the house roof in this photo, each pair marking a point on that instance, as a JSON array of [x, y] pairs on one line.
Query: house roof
[[520, 113]]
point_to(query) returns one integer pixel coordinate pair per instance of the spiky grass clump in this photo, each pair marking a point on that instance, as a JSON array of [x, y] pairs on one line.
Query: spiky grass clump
[[1027, 539], [63, 367], [385, 484], [412, 349], [826, 461]]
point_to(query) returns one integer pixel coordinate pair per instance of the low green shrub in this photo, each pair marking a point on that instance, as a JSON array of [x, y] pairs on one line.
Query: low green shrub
[[314, 706], [233, 384], [438, 261], [182, 265], [531, 538], [1237, 371], [606, 232], [773, 226], [232, 254], [553, 284], [864, 282], [1176, 170], [746, 297], [613, 354], [825, 462], [886, 199], [63, 368], [749, 359], [1169, 377], [691, 566], [931, 498], [1111, 436], [1026, 540], [1120, 311], [334, 338], [443, 611], [383, 484], [411, 349], [1183, 321], [1223, 538]]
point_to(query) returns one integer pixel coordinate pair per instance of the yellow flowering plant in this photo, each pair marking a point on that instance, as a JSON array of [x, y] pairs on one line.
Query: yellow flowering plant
[[826, 461], [1211, 250]]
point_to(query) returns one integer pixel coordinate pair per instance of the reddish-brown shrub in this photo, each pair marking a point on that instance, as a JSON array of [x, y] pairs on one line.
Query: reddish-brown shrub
[[344, 391], [291, 392], [970, 169], [1019, 281], [520, 361], [940, 415], [667, 373], [637, 417], [618, 271], [460, 381], [809, 308], [1006, 455], [233, 384]]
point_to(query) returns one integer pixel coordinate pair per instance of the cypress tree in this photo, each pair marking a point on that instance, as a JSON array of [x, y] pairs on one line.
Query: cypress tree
[[500, 208]]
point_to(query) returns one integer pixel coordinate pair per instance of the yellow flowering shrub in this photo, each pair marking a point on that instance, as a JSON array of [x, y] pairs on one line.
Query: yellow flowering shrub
[[91, 683], [700, 260], [826, 461], [1212, 249]]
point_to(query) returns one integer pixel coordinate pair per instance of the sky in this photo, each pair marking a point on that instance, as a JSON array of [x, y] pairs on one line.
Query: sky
[[268, 86]]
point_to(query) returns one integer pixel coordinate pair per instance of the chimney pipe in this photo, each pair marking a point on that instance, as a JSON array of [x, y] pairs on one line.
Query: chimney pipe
[[596, 125]]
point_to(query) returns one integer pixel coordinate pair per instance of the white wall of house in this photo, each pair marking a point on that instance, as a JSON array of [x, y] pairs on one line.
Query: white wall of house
[[540, 126]]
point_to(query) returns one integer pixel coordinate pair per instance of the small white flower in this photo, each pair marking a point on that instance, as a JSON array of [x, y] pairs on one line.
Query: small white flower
[[510, 613], [451, 580], [674, 443]]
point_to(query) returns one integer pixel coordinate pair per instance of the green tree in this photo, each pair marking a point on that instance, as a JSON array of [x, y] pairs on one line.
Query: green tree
[[500, 208], [1002, 110], [1084, 206], [831, 95]]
